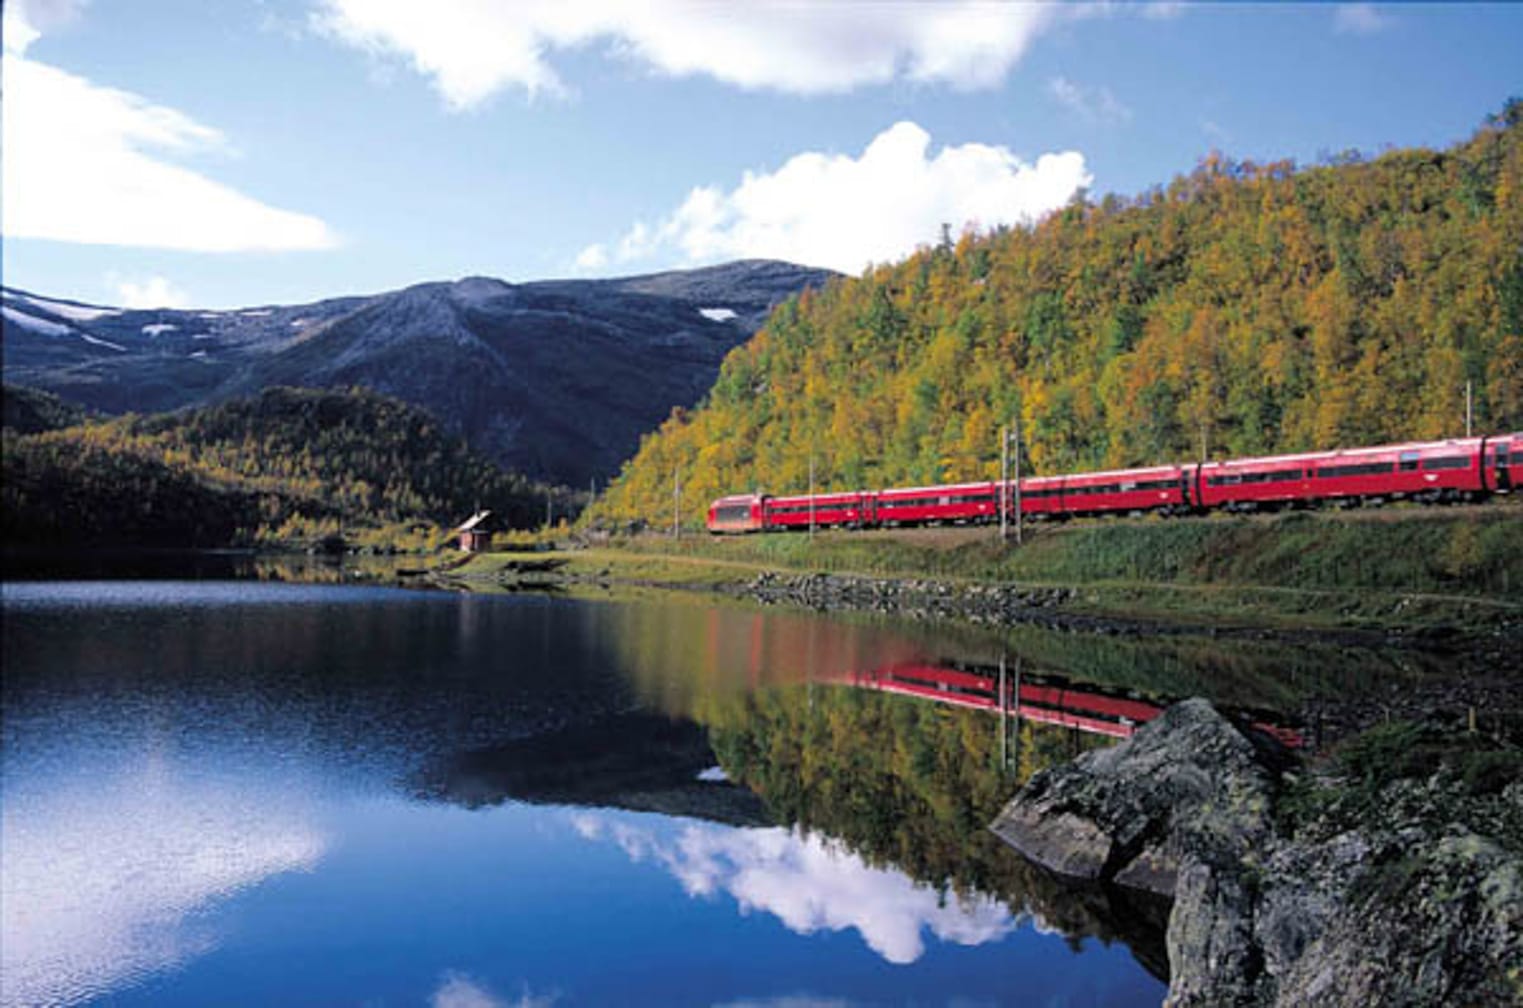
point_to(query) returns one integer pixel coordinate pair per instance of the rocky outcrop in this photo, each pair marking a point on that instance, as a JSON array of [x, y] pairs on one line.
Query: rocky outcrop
[[1401, 907]]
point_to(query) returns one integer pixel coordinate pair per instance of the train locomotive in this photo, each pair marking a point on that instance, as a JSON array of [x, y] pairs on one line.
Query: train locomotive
[[1450, 471]]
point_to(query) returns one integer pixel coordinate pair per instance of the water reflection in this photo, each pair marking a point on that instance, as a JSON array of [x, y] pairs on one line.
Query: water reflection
[[456, 797], [810, 884], [456, 990], [104, 873]]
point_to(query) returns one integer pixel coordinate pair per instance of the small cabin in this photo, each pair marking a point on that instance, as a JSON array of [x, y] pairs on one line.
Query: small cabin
[[475, 533]]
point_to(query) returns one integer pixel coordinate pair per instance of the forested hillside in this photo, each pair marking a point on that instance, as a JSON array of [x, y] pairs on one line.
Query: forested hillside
[[1243, 308], [30, 411], [288, 465]]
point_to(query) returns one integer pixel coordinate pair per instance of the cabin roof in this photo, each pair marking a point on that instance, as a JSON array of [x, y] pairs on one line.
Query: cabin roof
[[473, 523]]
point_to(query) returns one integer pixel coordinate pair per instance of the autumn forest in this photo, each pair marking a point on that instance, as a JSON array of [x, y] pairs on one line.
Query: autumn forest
[[1243, 308]]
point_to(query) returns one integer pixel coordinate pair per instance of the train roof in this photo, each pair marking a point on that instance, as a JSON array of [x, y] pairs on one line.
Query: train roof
[[1468, 444], [943, 487], [1112, 473], [830, 495]]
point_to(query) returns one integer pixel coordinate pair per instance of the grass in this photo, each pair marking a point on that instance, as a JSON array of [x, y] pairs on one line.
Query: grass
[[1411, 568], [1406, 770]]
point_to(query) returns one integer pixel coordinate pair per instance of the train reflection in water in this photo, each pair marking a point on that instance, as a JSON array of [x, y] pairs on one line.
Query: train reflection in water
[[1044, 699]]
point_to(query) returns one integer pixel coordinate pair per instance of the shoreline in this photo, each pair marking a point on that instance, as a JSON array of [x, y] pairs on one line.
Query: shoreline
[[1479, 629]]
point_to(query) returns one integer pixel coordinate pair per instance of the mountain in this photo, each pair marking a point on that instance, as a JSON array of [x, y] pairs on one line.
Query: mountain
[[286, 465], [553, 379], [1240, 309]]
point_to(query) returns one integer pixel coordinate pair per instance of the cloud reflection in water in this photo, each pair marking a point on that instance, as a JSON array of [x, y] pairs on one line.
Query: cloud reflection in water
[[101, 877], [810, 884]]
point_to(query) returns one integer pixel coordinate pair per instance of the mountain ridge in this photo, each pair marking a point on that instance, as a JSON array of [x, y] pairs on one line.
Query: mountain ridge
[[555, 379]]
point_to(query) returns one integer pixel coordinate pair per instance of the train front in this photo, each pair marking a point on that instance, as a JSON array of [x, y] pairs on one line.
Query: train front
[[737, 513]]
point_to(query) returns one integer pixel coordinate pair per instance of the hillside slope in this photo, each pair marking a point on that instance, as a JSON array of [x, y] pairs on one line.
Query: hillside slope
[[1241, 309], [289, 464], [555, 379]]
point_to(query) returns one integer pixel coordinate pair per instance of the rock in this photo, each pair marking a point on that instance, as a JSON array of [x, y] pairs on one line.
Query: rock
[[1440, 923], [1401, 907], [1121, 814]]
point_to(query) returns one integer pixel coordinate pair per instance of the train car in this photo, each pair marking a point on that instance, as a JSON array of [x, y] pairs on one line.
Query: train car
[[1421, 470], [822, 510], [958, 502], [1160, 488], [1041, 497], [1255, 483], [737, 513]]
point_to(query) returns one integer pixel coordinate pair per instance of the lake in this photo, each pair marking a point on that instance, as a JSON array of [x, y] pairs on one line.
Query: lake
[[251, 793]]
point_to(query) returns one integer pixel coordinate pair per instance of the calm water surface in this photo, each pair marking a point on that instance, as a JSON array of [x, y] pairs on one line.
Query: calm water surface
[[235, 793]]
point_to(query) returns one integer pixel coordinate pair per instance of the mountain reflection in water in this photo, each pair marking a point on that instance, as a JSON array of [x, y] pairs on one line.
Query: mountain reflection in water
[[231, 793]]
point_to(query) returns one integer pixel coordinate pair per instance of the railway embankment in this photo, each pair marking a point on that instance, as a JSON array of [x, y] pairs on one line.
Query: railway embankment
[[1391, 872], [1450, 577]]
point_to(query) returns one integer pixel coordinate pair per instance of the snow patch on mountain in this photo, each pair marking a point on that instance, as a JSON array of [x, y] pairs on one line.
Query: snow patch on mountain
[[72, 312], [17, 317], [105, 343]]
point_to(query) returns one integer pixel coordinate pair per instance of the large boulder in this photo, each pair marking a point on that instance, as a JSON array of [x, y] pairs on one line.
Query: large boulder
[[1401, 907], [1187, 782]]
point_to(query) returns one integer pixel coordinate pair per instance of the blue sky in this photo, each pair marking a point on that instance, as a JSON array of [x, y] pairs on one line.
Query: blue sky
[[181, 153]]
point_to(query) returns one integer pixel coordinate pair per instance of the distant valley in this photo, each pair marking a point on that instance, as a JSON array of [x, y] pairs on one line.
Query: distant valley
[[556, 380]]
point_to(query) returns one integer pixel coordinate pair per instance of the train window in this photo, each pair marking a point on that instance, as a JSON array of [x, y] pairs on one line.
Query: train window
[[1408, 461], [1447, 462], [1357, 469]]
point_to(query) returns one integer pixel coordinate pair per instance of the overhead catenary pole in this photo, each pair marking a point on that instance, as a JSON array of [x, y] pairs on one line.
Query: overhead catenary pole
[[1468, 403], [1004, 482], [811, 495], [676, 503], [1017, 479]]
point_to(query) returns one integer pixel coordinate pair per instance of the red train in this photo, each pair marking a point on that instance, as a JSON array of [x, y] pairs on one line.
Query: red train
[[1462, 469]]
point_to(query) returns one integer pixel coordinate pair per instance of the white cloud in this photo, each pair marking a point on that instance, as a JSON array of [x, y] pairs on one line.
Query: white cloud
[[153, 292], [1096, 105], [810, 884], [458, 991], [844, 212], [1360, 19], [84, 163], [25, 21], [593, 257], [472, 49]]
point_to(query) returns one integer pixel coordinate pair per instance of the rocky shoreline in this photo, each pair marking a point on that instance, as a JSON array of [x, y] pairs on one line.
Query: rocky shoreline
[[1394, 881], [1052, 607]]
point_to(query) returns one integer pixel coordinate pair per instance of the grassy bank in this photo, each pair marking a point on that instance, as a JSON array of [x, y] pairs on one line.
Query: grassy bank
[[1405, 567]]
